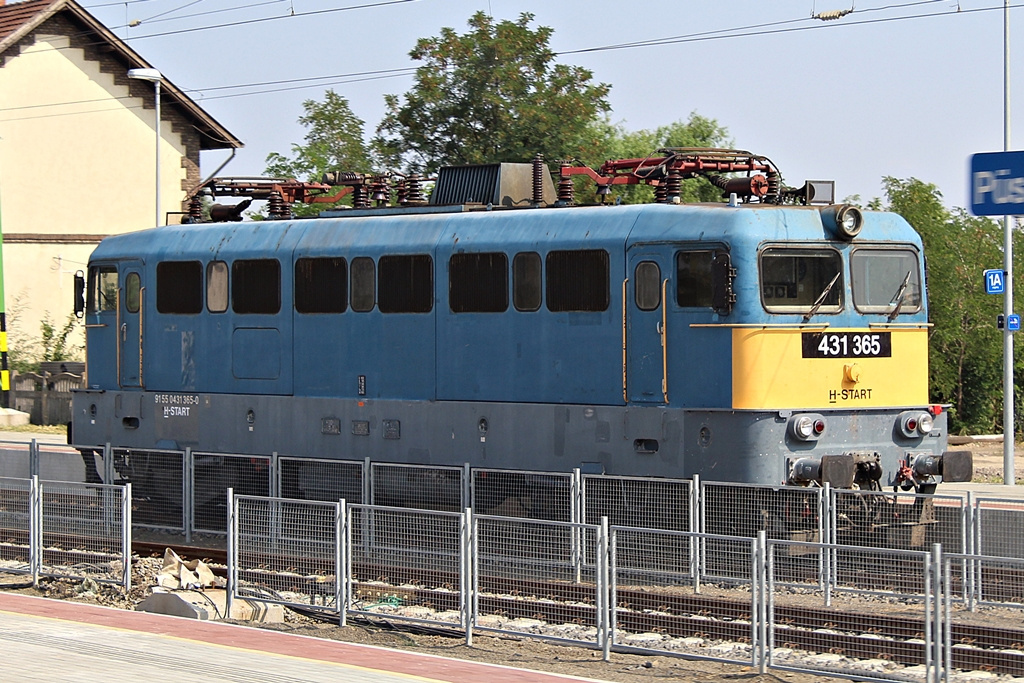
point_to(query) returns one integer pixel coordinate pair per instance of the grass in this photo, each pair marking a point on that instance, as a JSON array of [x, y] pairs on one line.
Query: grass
[[36, 429]]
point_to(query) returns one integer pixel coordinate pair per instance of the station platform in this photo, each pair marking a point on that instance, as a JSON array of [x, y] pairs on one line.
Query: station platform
[[54, 640]]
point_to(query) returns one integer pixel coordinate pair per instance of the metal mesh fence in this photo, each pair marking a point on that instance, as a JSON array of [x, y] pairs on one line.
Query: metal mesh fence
[[998, 527], [784, 513], [637, 501], [316, 479], [899, 520], [288, 551], [658, 601], [883, 637], [418, 486], [407, 564], [791, 513], [213, 475], [529, 578], [533, 495], [16, 460], [157, 478], [986, 634], [15, 525], [85, 531]]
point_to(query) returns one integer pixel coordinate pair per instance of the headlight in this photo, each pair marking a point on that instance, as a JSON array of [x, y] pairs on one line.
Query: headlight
[[807, 426], [925, 424], [915, 423]]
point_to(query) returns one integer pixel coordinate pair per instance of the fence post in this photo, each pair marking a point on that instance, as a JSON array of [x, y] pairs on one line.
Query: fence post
[[467, 576], [824, 534], [467, 486], [973, 566], [108, 464], [35, 529], [929, 617], [188, 472], [947, 630], [699, 501], [367, 481], [275, 479], [938, 605], [33, 458], [126, 534], [604, 595], [759, 604], [232, 578], [340, 560], [574, 516]]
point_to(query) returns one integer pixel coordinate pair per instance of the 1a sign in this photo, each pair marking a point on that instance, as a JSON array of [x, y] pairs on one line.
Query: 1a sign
[[995, 281]]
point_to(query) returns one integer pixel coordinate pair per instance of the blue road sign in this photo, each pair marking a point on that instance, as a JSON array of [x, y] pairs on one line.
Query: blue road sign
[[995, 282], [997, 184], [1013, 323]]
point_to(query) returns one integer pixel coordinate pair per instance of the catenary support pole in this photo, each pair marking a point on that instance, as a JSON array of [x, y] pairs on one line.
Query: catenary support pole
[[1008, 427]]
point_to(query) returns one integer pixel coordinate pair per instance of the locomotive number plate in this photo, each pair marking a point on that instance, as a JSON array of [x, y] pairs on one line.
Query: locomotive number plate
[[847, 344]]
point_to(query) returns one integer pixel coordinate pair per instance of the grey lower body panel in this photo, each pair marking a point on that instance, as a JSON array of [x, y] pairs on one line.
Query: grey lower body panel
[[718, 445]]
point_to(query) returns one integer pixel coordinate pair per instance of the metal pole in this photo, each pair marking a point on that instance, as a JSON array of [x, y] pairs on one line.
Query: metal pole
[[1008, 427], [156, 85]]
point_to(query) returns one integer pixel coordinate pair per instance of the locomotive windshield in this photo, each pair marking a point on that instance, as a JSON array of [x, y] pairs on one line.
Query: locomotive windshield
[[882, 277], [792, 280]]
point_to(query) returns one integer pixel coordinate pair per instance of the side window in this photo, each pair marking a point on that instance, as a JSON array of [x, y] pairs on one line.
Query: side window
[[647, 289], [478, 283], [364, 284], [577, 280], [321, 285], [179, 287], [217, 286], [694, 284], [132, 292], [527, 286], [102, 290], [256, 286], [405, 284]]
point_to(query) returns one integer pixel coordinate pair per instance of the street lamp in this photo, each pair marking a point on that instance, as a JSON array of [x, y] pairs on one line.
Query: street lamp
[[154, 77]]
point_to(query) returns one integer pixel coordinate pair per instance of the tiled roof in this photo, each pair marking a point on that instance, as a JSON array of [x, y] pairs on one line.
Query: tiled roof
[[18, 14], [21, 18]]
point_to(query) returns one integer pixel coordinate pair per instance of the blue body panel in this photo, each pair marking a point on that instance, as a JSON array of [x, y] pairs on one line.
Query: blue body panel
[[515, 356]]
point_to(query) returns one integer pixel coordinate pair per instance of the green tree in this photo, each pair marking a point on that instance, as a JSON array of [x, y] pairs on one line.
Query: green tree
[[965, 348], [333, 142], [613, 141], [492, 94]]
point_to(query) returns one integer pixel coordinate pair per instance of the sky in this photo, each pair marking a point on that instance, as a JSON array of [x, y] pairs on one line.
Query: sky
[[898, 88]]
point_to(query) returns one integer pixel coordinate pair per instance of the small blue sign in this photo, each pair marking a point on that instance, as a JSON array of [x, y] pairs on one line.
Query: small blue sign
[[1013, 322], [995, 282], [997, 184]]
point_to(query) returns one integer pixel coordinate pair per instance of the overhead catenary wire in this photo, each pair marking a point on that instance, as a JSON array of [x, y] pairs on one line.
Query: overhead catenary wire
[[771, 28]]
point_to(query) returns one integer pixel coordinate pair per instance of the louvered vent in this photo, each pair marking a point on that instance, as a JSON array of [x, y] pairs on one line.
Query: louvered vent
[[497, 184]]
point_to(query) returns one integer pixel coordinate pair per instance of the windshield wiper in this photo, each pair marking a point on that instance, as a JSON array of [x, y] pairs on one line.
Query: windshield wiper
[[897, 300], [821, 298]]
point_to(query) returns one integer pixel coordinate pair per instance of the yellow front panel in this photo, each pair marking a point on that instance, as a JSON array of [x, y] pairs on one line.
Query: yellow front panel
[[769, 370]]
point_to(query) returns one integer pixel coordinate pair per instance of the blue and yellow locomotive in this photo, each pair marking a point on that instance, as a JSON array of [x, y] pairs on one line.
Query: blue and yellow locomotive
[[771, 339]]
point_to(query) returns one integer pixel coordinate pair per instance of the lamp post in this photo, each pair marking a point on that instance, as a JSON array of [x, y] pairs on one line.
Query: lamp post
[[154, 77]]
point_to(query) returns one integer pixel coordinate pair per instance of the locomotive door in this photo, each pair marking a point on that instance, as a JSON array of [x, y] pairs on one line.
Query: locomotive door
[[130, 296], [646, 315]]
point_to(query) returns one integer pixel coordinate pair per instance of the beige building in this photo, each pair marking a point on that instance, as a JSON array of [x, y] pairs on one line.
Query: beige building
[[77, 154]]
